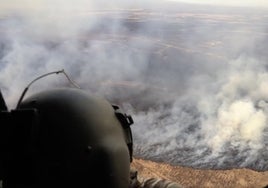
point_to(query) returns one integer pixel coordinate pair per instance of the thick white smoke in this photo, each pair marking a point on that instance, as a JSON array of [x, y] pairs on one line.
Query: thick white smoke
[[194, 78]]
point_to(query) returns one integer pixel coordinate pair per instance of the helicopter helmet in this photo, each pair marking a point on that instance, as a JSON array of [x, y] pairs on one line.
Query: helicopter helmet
[[66, 138]]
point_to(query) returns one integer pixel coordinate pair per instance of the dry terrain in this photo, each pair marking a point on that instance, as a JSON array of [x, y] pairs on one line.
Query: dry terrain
[[189, 177]]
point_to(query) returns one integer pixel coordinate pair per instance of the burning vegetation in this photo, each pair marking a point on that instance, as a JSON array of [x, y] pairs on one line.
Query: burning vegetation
[[195, 77]]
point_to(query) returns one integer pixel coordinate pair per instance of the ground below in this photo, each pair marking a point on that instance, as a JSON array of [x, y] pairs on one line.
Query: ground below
[[189, 177]]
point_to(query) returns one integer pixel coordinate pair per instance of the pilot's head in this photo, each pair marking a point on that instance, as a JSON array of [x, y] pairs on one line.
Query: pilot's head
[[67, 138]]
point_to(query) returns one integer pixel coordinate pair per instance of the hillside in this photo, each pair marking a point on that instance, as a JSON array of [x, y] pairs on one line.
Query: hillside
[[189, 177]]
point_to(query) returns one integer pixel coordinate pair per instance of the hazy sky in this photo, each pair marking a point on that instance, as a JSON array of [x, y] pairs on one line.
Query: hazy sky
[[35, 4], [258, 3]]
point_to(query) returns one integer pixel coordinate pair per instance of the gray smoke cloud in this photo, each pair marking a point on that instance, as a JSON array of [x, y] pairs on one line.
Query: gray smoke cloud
[[194, 77]]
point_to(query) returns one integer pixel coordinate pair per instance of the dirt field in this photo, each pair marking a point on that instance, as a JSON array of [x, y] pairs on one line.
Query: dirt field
[[188, 177]]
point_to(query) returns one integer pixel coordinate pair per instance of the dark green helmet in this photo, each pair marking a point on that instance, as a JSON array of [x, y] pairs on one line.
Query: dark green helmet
[[66, 138]]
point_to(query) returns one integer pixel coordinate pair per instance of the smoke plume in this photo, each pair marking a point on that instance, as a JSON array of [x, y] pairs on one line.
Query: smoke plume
[[194, 77]]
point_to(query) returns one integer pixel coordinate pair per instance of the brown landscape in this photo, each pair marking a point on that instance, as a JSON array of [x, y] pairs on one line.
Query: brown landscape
[[189, 177]]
